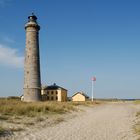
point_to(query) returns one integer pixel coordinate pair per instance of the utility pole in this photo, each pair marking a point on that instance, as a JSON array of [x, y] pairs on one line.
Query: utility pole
[[93, 84]]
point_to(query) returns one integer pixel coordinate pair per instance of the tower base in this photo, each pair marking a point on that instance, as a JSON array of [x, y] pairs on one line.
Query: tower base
[[32, 95]]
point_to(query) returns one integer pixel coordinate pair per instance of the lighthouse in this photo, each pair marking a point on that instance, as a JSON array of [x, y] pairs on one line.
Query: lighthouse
[[32, 79]]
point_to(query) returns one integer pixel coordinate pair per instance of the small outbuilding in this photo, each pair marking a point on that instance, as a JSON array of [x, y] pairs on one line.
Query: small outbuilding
[[80, 96], [54, 93]]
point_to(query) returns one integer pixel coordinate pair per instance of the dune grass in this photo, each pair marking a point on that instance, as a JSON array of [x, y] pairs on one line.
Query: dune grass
[[137, 101], [137, 125], [15, 107], [2, 130]]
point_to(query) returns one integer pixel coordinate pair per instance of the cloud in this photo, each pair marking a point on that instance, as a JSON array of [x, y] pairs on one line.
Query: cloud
[[9, 57]]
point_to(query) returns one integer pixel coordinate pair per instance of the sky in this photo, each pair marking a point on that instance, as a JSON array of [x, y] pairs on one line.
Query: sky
[[79, 39]]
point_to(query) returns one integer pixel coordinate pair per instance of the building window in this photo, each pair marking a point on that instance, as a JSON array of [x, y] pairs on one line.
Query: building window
[[56, 92], [52, 98], [52, 92], [56, 98], [47, 92]]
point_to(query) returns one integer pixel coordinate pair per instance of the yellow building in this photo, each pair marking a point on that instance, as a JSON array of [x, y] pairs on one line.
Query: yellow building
[[54, 93], [80, 96]]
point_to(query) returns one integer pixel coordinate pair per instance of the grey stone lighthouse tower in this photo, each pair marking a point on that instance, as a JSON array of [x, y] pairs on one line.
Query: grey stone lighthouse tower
[[32, 81]]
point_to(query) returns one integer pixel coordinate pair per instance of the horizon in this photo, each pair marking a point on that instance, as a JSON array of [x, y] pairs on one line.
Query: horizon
[[78, 40]]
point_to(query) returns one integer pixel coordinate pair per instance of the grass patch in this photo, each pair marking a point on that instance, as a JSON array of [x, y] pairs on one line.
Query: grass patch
[[2, 131], [40, 119], [29, 123], [16, 129], [58, 120], [137, 101], [3, 117], [87, 103], [14, 107], [137, 128], [8, 131], [137, 125]]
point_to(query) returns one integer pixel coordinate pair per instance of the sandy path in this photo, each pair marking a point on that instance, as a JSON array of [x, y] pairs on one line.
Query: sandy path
[[112, 121]]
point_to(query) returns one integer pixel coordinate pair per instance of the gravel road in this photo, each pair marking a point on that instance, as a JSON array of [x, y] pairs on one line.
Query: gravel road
[[112, 121]]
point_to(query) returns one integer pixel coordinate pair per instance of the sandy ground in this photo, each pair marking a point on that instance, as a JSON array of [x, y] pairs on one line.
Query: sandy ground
[[112, 121]]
